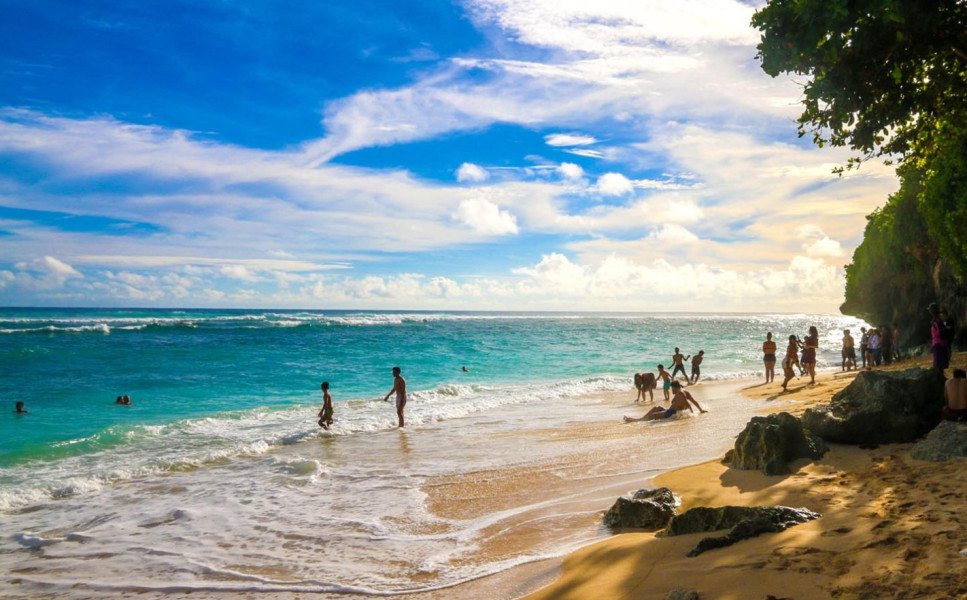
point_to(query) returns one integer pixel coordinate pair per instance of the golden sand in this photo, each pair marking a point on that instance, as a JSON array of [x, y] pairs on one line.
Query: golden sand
[[892, 527]]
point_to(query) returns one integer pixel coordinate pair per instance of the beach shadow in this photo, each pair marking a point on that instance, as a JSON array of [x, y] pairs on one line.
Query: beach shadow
[[753, 480], [787, 391], [752, 387]]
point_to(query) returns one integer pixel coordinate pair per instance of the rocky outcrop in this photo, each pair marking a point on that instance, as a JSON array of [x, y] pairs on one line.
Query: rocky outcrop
[[646, 509], [880, 407], [742, 522], [681, 595], [770, 443], [946, 441]]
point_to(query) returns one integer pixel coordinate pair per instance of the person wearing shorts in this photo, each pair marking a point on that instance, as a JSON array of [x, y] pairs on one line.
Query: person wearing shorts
[[399, 387]]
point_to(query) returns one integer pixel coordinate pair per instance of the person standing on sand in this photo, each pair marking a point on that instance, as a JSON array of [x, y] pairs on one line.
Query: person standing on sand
[[864, 345], [696, 366], [680, 401], [325, 415], [769, 357], [849, 351], [666, 380], [399, 386], [896, 342], [792, 350], [678, 362], [955, 395], [941, 355], [809, 346]]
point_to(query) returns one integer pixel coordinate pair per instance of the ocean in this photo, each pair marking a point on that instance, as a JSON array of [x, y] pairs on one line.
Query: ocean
[[217, 477]]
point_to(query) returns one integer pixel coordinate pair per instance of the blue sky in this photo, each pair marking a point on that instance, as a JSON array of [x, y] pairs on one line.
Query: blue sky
[[476, 154]]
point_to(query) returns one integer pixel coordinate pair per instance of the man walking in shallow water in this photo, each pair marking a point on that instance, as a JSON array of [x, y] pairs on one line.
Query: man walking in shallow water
[[399, 386]]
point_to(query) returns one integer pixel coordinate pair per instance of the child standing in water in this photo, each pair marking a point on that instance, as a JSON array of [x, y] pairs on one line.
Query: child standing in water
[[666, 379], [325, 415]]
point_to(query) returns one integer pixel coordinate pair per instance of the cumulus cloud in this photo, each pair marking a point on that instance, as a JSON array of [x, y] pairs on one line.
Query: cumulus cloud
[[570, 171], [817, 243], [614, 184], [486, 217], [472, 173], [825, 247]]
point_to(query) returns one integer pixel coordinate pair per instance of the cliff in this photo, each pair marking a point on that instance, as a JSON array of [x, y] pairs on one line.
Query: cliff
[[899, 269]]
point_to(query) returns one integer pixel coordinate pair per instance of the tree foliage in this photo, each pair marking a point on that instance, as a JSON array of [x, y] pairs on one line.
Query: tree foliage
[[883, 74], [888, 78]]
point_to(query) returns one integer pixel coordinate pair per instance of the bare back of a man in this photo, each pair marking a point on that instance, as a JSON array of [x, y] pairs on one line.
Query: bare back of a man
[[955, 392]]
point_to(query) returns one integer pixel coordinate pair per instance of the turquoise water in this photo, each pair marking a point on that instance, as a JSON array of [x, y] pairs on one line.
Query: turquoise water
[[218, 480], [68, 365]]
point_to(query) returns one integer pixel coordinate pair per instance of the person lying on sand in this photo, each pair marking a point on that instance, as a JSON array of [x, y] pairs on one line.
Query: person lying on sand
[[680, 401]]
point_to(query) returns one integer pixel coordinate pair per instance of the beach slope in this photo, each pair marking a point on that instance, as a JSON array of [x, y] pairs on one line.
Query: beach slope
[[892, 527]]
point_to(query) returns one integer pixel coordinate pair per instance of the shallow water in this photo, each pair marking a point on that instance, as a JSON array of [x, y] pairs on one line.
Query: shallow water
[[240, 490]]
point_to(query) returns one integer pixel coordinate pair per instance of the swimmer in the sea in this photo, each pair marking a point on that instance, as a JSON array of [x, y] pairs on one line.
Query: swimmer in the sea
[[20, 410]]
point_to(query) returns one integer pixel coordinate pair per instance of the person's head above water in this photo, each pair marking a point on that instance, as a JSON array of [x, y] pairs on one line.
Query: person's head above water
[[20, 407]]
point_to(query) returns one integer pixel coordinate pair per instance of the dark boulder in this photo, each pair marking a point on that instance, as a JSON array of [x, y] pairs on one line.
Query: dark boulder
[[946, 441], [880, 407], [681, 595], [770, 443], [742, 522], [646, 509]]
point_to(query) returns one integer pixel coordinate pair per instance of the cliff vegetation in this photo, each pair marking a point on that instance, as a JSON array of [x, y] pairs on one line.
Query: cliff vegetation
[[888, 79]]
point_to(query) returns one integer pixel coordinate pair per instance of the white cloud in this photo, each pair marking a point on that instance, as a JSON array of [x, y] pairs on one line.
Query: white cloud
[[51, 267], [239, 272], [825, 247], [614, 184], [586, 153], [471, 172], [817, 243], [570, 171], [569, 139], [672, 234], [486, 217]]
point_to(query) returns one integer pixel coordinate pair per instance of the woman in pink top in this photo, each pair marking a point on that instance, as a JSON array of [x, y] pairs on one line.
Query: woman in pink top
[[941, 356]]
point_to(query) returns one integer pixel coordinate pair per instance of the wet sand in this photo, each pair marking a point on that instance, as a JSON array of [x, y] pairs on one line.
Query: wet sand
[[892, 527]]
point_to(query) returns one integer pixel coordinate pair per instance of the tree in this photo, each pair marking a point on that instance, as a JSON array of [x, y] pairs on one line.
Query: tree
[[883, 74]]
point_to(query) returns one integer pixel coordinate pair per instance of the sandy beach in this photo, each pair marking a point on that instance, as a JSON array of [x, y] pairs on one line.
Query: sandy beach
[[891, 527]]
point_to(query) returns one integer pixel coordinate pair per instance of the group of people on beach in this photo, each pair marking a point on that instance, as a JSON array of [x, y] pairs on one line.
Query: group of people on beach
[[800, 354], [679, 399], [399, 388], [647, 382], [878, 346]]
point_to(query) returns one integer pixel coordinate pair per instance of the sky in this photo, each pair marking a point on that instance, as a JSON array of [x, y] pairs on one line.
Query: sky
[[413, 154]]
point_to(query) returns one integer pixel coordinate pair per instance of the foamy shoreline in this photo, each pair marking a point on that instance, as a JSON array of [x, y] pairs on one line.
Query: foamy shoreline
[[565, 473]]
